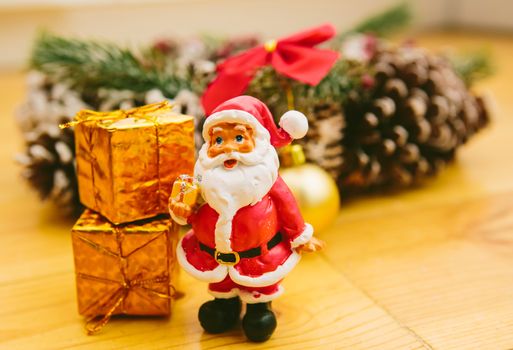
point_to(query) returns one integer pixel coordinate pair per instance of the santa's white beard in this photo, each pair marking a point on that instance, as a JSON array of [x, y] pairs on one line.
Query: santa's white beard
[[228, 190]]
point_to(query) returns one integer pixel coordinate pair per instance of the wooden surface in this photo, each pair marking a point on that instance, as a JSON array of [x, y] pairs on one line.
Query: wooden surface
[[429, 268]]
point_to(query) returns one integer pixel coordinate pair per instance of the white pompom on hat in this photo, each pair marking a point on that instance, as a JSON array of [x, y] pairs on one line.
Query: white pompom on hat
[[249, 110], [294, 123]]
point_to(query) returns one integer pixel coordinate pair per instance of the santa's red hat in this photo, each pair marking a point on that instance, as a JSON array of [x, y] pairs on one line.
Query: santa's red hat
[[252, 111]]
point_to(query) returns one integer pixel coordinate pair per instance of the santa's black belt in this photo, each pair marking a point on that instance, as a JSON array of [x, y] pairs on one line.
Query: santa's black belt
[[233, 258]]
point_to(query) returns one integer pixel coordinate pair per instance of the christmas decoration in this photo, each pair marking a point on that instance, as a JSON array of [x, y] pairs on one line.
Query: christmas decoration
[[49, 158], [91, 66], [337, 139], [49, 166], [76, 74], [403, 126], [314, 189], [293, 57], [110, 144], [382, 24], [323, 141], [124, 269], [249, 233]]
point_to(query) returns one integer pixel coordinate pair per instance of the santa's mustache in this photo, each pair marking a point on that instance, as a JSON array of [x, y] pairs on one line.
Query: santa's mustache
[[249, 159]]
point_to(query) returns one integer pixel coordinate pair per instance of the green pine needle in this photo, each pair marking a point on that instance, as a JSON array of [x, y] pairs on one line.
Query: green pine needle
[[472, 67], [381, 25], [89, 65], [387, 22]]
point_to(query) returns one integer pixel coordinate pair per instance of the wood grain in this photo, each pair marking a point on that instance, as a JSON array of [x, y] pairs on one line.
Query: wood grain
[[429, 268]]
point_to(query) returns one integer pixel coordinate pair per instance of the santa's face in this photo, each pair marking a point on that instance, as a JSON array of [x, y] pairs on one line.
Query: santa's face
[[226, 138], [236, 166]]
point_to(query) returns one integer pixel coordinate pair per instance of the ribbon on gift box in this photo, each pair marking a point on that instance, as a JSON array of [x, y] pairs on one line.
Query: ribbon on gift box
[[87, 152], [95, 322], [143, 112], [294, 56]]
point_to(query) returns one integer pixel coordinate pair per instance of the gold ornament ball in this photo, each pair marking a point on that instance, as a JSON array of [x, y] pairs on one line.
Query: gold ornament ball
[[315, 192]]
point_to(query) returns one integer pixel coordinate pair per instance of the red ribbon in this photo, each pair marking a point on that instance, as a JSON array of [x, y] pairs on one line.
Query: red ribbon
[[294, 56]]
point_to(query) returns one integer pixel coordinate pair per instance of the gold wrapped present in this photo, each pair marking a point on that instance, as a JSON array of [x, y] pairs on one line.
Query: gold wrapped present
[[128, 160], [185, 190], [123, 269]]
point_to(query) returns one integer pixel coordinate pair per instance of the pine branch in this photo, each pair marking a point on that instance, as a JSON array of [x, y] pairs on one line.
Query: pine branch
[[270, 86], [89, 65], [380, 25], [387, 22], [472, 67]]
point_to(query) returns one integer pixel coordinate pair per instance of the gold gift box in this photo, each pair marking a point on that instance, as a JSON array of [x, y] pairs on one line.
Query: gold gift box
[[128, 160], [124, 269], [185, 190]]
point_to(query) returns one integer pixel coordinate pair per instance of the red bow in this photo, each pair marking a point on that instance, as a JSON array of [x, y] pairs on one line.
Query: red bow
[[294, 57]]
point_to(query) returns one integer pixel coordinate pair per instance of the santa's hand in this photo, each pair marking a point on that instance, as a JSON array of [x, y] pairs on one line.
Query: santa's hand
[[179, 211], [313, 245]]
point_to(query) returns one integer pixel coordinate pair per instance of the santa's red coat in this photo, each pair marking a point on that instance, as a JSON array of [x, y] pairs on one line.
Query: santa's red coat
[[252, 226]]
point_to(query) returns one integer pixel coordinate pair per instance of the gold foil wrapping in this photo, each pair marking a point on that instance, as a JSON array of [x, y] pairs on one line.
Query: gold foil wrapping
[[185, 190], [127, 161], [124, 269]]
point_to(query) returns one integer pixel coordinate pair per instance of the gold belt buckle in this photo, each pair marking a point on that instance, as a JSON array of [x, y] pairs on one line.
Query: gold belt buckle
[[222, 262]]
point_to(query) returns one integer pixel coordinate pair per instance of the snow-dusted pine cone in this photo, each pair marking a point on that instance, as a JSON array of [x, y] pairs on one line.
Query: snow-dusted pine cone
[[405, 126], [49, 156], [49, 166]]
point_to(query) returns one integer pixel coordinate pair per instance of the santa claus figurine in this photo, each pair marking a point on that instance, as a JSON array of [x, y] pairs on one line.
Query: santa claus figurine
[[248, 233]]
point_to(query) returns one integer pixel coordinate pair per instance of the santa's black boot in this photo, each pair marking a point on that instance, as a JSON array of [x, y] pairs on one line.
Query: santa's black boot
[[219, 315], [259, 322]]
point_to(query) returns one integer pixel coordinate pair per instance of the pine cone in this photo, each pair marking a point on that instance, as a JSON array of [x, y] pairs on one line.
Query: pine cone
[[407, 125], [49, 166], [322, 144], [49, 155]]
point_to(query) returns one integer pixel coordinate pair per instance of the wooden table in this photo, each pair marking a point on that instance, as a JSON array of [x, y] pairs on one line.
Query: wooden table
[[428, 268]]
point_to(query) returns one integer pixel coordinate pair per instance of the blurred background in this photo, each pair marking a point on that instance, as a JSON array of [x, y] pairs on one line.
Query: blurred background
[[136, 22], [425, 267]]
